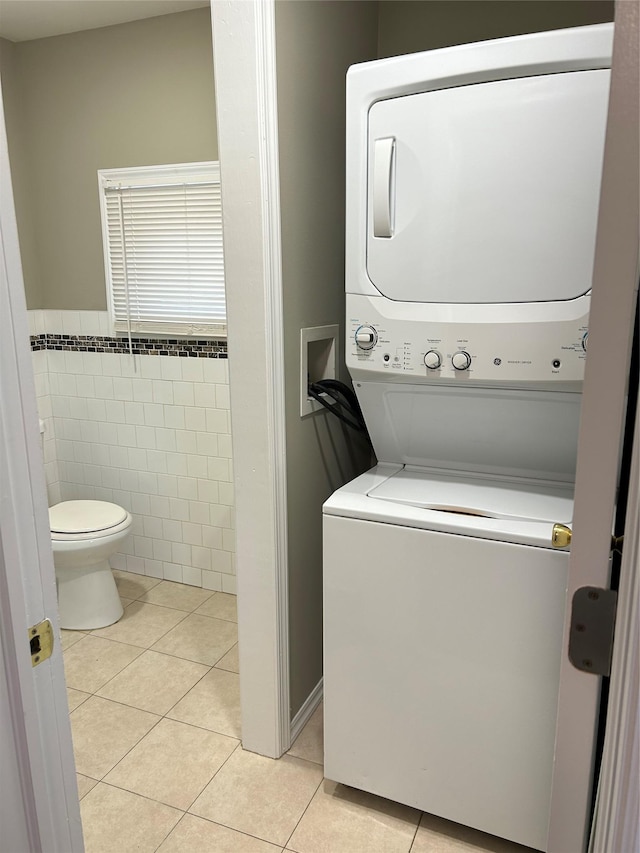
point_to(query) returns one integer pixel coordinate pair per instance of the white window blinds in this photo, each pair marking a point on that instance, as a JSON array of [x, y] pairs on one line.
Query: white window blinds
[[162, 235]]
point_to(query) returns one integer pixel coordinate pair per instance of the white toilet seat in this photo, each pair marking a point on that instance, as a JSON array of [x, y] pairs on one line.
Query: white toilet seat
[[72, 521]]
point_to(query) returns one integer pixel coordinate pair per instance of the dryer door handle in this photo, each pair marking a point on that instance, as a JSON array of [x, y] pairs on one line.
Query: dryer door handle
[[383, 185]]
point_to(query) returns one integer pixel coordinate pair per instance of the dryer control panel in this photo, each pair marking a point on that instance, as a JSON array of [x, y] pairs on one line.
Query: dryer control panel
[[505, 351]]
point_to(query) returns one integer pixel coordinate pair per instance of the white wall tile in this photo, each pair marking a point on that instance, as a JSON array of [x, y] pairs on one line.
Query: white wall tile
[[154, 568], [172, 572], [195, 419], [104, 387], [172, 530], [205, 395], [162, 389], [229, 584], [177, 464], [208, 491], [212, 580], [180, 553], [123, 389], [192, 370], [217, 420], [187, 488], [229, 540], [186, 441], [150, 367], [218, 469], [174, 417], [146, 437], [142, 390], [222, 397], [215, 370], [157, 462], [171, 368], [135, 564], [201, 558], [168, 485], [191, 576], [221, 561], [207, 443], [183, 394], [162, 550], [191, 533], [198, 512], [212, 537]]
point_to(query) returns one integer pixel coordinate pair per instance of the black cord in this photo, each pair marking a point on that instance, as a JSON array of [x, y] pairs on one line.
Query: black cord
[[345, 404]]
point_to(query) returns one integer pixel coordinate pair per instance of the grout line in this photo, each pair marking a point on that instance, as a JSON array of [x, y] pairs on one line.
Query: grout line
[[306, 807]]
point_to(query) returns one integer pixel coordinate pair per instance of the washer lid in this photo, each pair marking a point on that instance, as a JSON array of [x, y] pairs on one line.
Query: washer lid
[[478, 496], [85, 516]]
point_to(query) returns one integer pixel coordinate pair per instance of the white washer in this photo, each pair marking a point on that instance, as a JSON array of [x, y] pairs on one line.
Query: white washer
[[443, 632], [473, 179]]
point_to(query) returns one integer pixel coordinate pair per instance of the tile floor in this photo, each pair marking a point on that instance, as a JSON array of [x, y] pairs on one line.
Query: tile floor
[[155, 715]]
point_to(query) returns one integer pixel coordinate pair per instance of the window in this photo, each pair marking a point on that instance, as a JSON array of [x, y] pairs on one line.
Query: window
[[162, 236]]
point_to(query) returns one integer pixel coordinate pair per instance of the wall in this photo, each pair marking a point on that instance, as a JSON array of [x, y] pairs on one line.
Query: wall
[[315, 44], [136, 94], [408, 26], [150, 433], [12, 98]]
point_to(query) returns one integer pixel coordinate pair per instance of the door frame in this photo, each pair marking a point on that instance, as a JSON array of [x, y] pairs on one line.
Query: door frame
[[244, 53], [602, 423]]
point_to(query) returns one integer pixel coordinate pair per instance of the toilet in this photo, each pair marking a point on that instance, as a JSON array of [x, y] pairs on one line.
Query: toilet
[[84, 534]]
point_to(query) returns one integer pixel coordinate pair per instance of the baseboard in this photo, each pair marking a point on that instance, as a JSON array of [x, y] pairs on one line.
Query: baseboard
[[310, 704]]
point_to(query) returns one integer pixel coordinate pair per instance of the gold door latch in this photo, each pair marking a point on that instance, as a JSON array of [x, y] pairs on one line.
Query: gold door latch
[[41, 641], [561, 536]]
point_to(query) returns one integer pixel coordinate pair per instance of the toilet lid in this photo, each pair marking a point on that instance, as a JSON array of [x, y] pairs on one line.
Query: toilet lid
[[85, 516]]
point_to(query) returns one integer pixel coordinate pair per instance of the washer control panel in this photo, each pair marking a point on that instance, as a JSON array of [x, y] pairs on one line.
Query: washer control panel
[[494, 353]]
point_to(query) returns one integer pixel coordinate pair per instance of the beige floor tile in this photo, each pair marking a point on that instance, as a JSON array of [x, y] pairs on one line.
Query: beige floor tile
[[132, 586], [221, 605], [75, 698], [173, 763], [103, 733], [258, 795], [177, 595], [436, 835], [198, 638], [142, 624], [116, 821], [154, 682], [214, 703], [85, 784], [345, 820], [93, 661], [68, 638], [196, 834], [310, 742], [230, 661]]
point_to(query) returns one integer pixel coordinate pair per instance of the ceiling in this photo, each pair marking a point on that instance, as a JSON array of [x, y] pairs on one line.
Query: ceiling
[[23, 20]]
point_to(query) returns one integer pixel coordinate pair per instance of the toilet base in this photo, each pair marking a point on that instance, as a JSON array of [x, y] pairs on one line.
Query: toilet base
[[88, 597]]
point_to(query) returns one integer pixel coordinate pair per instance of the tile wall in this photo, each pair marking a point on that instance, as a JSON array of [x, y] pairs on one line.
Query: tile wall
[[148, 432]]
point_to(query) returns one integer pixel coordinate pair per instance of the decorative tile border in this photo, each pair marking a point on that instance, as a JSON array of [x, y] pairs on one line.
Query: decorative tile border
[[210, 348]]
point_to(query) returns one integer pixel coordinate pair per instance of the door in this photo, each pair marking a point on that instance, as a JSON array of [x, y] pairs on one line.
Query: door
[[41, 801], [466, 184], [613, 307]]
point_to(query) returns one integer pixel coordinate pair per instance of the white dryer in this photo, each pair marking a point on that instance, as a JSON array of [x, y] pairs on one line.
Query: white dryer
[[473, 177]]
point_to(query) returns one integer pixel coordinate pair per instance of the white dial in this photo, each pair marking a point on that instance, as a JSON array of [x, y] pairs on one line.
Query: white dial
[[461, 360], [366, 337], [432, 359]]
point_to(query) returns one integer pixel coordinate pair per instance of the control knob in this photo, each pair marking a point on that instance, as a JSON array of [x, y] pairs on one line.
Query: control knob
[[432, 359], [366, 337], [461, 360]]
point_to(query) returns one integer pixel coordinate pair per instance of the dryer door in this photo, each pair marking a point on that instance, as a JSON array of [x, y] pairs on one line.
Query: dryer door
[[487, 192]]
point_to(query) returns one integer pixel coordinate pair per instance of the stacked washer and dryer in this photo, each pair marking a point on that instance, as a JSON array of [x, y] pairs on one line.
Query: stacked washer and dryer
[[473, 179]]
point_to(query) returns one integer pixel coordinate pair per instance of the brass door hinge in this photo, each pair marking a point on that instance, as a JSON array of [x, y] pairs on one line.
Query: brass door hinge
[[41, 641]]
